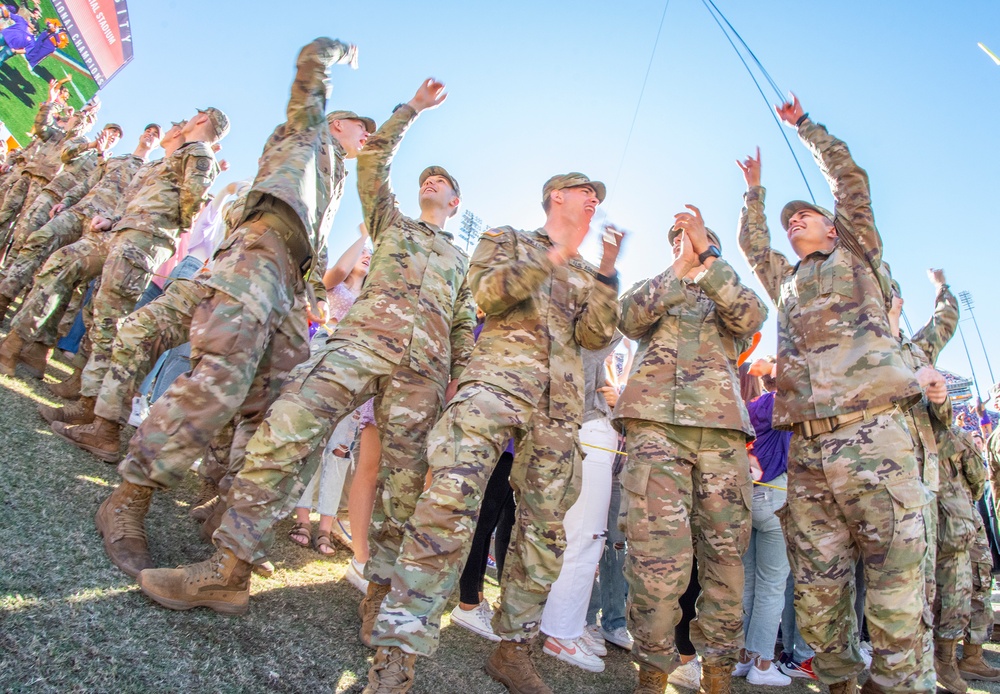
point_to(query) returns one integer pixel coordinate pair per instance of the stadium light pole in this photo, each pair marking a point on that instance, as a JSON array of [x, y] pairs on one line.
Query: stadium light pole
[[966, 299]]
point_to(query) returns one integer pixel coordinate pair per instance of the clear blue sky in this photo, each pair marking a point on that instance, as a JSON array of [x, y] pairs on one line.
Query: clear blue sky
[[538, 88]]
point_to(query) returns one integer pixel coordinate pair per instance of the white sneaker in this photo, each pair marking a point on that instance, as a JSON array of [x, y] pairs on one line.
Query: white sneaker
[[355, 575], [573, 652], [687, 675], [866, 654], [772, 677], [620, 637], [742, 669], [140, 409], [341, 533], [478, 621], [595, 640]]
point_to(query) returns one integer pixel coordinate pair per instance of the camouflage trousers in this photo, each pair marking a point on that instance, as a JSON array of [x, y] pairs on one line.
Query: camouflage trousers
[[65, 228], [857, 492], [953, 572], [132, 258], [463, 448], [981, 614], [13, 201], [72, 265], [148, 332], [686, 491], [285, 452], [33, 217]]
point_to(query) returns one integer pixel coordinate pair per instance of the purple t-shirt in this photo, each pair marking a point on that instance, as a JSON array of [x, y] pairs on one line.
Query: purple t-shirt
[[771, 445]]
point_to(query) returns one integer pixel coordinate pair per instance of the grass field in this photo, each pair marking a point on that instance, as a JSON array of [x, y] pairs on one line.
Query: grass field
[[70, 621]]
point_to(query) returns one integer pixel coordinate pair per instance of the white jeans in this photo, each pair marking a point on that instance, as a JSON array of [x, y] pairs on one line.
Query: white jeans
[[586, 525]]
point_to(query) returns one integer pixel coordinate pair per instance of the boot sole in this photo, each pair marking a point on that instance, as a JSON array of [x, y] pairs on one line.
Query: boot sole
[[226, 608], [7, 370], [966, 675], [501, 678], [99, 453], [33, 371]]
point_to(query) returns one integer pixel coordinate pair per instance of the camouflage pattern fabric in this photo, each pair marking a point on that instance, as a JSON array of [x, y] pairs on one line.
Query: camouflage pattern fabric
[[955, 536], [836, 303], [981, 613], [993, 463], [12, 202], [106, 186], [63, 229], [30, 219], [682, 483], [855, 491], [463, 448]]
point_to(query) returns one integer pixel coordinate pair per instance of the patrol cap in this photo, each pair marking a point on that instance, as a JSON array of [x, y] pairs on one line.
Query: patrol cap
[[115, 126], [351, 115], [440, 171], [796, 205], [220, 121], [159, 130], [573, 179], [713, 238]]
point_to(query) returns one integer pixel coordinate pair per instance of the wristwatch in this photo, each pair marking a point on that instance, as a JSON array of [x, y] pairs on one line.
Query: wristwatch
[[710, 252]]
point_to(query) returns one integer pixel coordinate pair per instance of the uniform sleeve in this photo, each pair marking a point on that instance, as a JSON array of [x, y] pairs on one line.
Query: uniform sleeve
[[738, 307], [311, 87], [941, 327], [74, 148], [502, 275], [594, 325], [200, 171], [316, 274], [77, 192], [644, 304], [768, 265], [463, 322], [378, 202], [851, 192]]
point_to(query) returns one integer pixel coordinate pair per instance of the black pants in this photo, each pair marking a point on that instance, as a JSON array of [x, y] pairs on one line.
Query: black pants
[[496, 513]]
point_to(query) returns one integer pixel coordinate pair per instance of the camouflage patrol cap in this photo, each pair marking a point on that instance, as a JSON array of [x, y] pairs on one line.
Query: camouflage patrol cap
[[573, 179], [713, 238], [159, 130], [220, 121], [115, 126], [796, 205], [440, 171], [351, 115]]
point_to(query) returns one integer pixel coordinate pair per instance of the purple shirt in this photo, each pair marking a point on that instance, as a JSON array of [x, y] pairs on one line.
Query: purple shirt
[[771, 445]]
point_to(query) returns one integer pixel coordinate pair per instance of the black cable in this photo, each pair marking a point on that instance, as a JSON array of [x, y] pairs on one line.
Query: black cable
[[779, 92], [770, 110]]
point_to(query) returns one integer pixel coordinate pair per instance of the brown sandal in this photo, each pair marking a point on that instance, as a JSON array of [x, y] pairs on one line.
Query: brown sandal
[[301, 530], [323, 540]]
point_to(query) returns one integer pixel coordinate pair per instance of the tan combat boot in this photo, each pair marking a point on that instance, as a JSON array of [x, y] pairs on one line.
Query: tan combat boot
[[35, 358], [209, 491], [212, 523], [715, 678], [368, 610], [869, 687], [70, 388], [510, 665], [221, 583], [202, 512], [4, 305], [99, 438], [121, 522], [846, 686], [946, 667], [650, 681], [79, 412], [973, 667], [391, 672], [10, 352]]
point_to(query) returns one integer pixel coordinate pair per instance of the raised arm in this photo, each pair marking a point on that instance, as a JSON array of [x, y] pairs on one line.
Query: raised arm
[[74, 148], [200, 171], [644, 304], [768, 265], [942, 325], [339, 271], [311, 87]]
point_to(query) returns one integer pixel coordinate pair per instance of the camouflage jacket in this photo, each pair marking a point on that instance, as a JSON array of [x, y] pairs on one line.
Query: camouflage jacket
[[836, 353], [993, 456], [968, 462], [690, 336], [78, 162], [46, 161], [302, 164], [415, 308], [104, 188], [538, 317], [171, 193]]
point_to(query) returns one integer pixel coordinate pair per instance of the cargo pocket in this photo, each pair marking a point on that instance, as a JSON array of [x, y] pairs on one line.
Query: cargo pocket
[[908, 545], [131, 272], [956, 524], [635, 503]]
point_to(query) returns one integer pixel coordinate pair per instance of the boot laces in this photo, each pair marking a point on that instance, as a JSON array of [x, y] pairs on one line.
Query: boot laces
[[208, 571], [130, 516], [393, 672]]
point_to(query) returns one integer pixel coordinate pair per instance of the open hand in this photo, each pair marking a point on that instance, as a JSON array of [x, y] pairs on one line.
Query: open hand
[[686, 259], [431, 94], [611, 245], [936, 277], [694, 226]]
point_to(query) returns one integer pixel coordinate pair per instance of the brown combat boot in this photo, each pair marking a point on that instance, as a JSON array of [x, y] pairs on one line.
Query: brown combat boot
[[221, 583], [846, 686], [650, 681], [212, 523], [4, 305], [869, 687], [946, 667], [510, 665], [391, 672], [209, 491], [120, 521], [35, 358], [70, 388], [715, 678], [973, 667], [99, 438], [368, 610], [79, 412], [10, 352]]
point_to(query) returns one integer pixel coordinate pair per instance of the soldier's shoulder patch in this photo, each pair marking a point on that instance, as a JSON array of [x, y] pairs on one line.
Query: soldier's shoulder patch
[[499, 231], [203, 164]]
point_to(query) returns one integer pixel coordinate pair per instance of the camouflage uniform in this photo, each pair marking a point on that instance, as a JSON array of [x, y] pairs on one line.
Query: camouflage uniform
[[981, 614], [40, 171], [144, 237], [97, 195], [524, 381], [249, 329], [687, 471], [854, 485]]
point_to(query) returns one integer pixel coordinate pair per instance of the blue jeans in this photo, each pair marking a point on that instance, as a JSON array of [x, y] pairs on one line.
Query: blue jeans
[[610, 589], [765, 571], [791, 639]]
